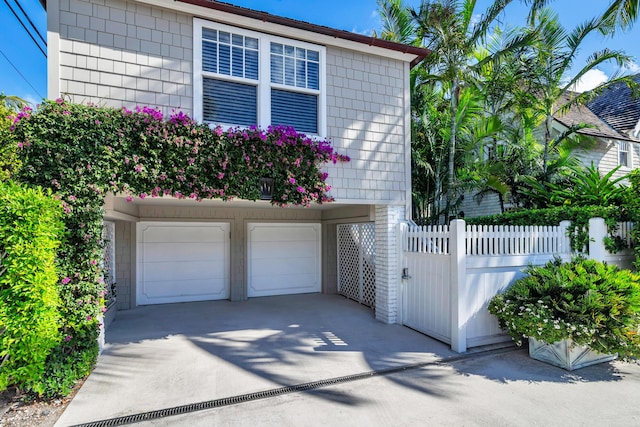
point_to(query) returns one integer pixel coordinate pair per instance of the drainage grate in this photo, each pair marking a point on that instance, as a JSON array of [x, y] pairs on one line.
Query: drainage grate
[[242, 398]]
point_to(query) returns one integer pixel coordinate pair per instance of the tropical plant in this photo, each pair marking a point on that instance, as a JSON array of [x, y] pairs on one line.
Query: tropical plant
[[549, 60], [591, 303]]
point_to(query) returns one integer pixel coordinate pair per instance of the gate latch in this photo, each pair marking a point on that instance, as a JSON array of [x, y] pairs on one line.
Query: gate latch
[[405, 274]]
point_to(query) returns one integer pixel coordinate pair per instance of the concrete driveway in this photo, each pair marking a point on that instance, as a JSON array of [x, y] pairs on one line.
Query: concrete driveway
[[244, 359]]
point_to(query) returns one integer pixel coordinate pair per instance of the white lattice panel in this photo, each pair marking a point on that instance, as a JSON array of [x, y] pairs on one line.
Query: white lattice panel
[[356, 262]]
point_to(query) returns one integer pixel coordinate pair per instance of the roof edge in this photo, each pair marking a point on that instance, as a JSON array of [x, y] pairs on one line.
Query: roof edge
[[419, 52]]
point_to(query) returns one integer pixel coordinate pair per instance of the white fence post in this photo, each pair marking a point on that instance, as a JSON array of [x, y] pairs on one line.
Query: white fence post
[[564, 246], [401, 235], [597, 233], [459, 303]]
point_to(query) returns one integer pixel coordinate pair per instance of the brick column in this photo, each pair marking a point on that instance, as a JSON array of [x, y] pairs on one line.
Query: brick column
[[387, 268]]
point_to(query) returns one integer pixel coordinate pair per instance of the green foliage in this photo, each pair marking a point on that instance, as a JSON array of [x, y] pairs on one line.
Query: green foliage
[[592, 303], [582, 186], [8, 145], [578, 215], [633, 206], [81, 152], [30, 232]]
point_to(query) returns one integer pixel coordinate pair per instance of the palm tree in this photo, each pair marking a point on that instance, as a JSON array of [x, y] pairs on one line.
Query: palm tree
[[12, 102], [547, 65], [448, 28]]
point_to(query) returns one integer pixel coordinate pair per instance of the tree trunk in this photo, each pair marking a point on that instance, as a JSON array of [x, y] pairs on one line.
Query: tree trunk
[[455, 93], [547, 143]]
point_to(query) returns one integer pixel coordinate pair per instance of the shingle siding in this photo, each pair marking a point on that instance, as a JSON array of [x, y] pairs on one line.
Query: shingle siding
[[125, 54], [120, 53]]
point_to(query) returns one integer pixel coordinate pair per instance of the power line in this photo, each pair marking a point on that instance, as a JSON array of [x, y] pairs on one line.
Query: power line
[[21, 75], [25, 28], [31, 22]]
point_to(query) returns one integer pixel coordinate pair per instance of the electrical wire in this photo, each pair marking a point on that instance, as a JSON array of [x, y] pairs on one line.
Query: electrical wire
[[31, 22], [21, 75], [25, 28]]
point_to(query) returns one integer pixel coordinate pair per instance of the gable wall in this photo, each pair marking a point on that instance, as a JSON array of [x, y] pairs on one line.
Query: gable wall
[[604, 155], [123, 53]]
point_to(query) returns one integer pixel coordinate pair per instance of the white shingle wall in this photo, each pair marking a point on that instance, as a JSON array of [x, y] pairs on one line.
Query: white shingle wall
[[387, 270], [365, 118], [121, 53], [604, 155]]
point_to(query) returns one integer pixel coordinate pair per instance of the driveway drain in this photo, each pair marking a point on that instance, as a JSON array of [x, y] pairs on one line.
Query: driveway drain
[[242, 398]]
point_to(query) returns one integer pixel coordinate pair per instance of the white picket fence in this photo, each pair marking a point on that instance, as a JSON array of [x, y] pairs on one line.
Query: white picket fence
[[451, 273]]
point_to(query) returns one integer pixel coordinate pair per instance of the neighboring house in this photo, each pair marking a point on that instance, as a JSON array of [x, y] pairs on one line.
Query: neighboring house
[[193, 55], [613, 120]]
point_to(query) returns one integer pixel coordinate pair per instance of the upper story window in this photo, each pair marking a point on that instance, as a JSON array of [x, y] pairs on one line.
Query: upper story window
[[623, 154], [245, 78]]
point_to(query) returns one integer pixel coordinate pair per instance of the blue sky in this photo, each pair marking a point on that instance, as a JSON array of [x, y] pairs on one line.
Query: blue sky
[[23, 66]]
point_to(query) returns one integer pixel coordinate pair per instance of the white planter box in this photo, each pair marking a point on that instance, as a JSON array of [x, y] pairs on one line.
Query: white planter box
[[566, 354]]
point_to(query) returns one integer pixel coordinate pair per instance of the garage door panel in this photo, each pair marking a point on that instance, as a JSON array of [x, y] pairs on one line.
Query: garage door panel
[[283, 259], [161, 252], [297, 232], [153, 233], [286, 285], [284, 249], [185, 290], [181, 262], [279, 266], [184, 270]]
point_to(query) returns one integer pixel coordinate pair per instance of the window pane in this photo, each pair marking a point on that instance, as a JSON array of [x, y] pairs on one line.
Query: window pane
[[277, 70], [224, 37], [251, 64], [229, 102], [238, 61], [301, 73], [237, 40], [225, 59], [289, 71], [210, 57], [312, 55], [276, 48], [251, 43], [313, 76], [209, 34], [299, 110], [289, 50], [301, 53]]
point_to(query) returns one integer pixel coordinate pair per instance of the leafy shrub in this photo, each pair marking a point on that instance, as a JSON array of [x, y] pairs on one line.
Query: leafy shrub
[[592, 303], [8, 145], [633, 206], [30, 231], [578, 215]]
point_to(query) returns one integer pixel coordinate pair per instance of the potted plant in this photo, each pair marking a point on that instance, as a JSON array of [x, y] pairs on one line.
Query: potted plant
[[574, 314]]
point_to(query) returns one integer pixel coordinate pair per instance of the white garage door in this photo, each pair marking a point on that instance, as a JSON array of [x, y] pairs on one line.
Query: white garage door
[[283, 259], [181, 262]]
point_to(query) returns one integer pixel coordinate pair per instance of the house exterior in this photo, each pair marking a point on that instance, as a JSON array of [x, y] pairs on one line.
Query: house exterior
[[194, 55], [613, 120]]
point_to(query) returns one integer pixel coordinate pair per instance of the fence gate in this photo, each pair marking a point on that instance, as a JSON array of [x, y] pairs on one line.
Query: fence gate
[[356, 262]]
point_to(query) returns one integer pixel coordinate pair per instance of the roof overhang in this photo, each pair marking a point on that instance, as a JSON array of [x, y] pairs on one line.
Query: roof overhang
[[278, 25]]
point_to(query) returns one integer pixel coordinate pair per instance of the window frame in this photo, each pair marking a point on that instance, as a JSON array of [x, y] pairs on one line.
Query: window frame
[[263, 83], [628, 150]]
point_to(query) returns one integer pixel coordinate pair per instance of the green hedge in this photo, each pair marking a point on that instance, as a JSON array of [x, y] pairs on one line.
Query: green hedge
[[30, 232], [578, 215]]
